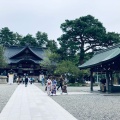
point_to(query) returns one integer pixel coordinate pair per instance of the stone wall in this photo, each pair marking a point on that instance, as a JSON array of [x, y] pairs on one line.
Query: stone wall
[[3, 79]]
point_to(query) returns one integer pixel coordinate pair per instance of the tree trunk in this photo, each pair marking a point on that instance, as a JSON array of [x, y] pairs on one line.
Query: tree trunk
[[82, 54]]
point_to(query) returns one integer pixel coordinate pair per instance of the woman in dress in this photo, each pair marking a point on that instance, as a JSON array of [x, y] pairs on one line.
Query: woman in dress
[[49, 86], [54, 83]]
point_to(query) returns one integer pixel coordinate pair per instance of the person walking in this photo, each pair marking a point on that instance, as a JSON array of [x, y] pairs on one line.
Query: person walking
[[42, 81], [23, 79], [26, 81], [49, 86], [31, 80], [60, 83], [18, 80]]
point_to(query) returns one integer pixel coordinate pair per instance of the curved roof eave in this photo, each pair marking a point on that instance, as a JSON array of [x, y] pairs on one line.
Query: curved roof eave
[[35, 53], [17, 61], [18, 53], [111, 55], [23, 50]]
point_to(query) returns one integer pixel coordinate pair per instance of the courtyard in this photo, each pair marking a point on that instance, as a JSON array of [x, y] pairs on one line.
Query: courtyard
[[79, 102]]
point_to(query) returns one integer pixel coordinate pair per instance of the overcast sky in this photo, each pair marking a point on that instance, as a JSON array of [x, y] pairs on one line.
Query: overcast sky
[[30, 16]]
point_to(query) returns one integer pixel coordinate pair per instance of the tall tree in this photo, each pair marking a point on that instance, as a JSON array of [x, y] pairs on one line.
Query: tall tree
[[50, 61], [7, 37], [52, 45], [18, 38], [111, 38], [28, 39], [41, 38], [67, 67], [84, 34], [2, 58]]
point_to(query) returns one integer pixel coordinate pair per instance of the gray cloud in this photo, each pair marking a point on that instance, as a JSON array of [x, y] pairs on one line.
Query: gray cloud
[[30, 16]]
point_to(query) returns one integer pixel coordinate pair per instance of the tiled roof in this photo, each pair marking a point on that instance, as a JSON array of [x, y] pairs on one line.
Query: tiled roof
[[11, 51], [102, 56]]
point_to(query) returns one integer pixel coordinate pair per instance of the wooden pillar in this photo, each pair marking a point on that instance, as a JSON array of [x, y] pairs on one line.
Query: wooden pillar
[[91, 80], [107, 81], [111, 78]]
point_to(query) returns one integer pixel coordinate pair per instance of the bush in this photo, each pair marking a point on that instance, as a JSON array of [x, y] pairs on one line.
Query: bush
[[75, 84]]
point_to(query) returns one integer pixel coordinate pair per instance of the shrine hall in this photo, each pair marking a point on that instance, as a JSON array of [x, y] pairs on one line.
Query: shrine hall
[[24, 60], [106, 61]]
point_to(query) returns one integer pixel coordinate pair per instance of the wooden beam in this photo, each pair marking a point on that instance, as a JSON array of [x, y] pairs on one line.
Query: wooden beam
[[107, 81], [91, 80], [111, 78]]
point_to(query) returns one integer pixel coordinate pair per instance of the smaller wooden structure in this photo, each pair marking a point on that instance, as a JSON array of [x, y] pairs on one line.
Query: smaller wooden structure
[[105, 61]]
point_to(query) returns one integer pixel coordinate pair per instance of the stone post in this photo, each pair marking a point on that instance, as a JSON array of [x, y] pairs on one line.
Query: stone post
[[3, 79]]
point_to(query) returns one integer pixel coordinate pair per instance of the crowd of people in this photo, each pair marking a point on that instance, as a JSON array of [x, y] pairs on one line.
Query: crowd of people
[[25, 80], [51, 85]]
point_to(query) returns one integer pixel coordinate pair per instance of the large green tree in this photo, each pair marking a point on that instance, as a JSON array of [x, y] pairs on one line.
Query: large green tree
[[18, 38], [50, 61], [41, 38], [83, 35], [28, 39], [7, 37], [67, 67], [52, 45], [2, 58]]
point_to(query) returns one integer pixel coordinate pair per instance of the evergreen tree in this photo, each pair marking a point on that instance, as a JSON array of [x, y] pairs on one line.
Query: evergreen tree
[[2, 58], [83, 35]]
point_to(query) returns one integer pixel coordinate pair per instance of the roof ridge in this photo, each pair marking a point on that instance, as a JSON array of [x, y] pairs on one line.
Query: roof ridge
[[26, 46], [107, 49]]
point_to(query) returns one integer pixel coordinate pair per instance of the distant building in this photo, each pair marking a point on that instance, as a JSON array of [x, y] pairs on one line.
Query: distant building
[[24, 60]]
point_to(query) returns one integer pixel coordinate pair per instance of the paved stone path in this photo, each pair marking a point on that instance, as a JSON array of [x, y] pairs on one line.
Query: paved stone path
[[30, 103], [6, 92]]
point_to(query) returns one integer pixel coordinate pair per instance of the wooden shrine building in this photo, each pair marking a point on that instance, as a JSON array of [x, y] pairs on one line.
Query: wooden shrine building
[[105, 61], [24, 60]]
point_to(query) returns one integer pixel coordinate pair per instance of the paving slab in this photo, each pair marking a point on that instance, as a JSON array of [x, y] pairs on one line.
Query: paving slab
[[31, 103]]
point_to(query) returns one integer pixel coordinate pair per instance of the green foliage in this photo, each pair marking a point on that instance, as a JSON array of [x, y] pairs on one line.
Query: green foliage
[[54, 57], [83, 35], [41, 38], [52, 45], [82, 74], [111, 38], [18, 39], [7, 37], [50, 61], [71, 71], [2, 58], [88, 56], [75, 84], [67, 67], [28, 39]]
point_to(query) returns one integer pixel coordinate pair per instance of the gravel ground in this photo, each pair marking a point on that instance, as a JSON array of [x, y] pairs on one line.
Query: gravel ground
[[89, 106], [82, 106], [5, 93]]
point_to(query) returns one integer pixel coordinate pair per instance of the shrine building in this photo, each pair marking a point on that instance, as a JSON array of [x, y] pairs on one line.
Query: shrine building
[[106, 61], [24, 60]]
